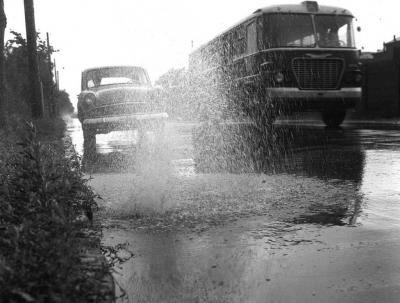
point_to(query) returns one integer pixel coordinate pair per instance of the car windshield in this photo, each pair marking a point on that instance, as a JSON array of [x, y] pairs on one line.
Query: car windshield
[[297, 30], [116, 75]]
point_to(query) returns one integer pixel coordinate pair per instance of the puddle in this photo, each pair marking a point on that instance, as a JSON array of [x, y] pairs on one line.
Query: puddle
[[325, 215], [323, 178], [192, 236]]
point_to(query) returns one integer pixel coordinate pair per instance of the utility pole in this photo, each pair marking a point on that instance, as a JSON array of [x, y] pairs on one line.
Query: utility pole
[[58, 80], [3, 93], [56, 75], [36, 93], [51, 101], [57, 87]]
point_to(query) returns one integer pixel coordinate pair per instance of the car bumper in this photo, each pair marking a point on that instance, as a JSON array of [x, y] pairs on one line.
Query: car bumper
[[134, 121]]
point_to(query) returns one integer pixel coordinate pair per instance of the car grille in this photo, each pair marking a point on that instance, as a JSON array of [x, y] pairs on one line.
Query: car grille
[[317, 73], [120, 109]]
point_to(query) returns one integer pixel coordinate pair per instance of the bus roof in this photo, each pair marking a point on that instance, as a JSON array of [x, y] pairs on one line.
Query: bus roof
[[305, 7]]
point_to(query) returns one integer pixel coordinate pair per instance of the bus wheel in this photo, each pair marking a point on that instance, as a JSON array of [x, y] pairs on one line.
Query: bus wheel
[[333, 117], [89, 142]]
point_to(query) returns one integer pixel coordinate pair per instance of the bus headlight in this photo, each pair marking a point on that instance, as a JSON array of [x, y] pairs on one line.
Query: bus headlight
[[358, 78], [279, 77], [353, 78]]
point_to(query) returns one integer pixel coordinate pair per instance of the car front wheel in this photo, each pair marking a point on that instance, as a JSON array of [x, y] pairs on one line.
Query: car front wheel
[[159, 131], [89, 142]]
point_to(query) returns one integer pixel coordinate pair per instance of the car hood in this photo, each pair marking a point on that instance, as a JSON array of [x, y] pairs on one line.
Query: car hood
[[124, 94]]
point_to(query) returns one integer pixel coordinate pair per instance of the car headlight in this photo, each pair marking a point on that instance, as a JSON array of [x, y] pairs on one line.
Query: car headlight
[[279, 77], [90, 100]]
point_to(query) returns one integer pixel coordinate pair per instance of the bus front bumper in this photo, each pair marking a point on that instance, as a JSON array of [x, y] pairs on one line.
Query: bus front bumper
[[294, 93]]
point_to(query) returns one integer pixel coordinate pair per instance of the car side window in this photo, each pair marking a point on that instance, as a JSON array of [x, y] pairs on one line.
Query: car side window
[[135, 78], [90, 83]]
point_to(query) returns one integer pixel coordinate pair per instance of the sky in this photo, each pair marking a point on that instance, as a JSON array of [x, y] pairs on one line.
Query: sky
[[159, 34]]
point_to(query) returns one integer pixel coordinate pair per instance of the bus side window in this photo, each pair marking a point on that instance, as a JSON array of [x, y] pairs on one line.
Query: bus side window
[[225, 50], [230, 46], [238, 42], [260, 33], [251, 45]]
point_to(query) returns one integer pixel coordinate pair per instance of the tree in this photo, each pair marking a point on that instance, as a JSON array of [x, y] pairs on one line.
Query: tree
[[63, 103], [16, 66], [3, 93], [180, 94], [172, 78]]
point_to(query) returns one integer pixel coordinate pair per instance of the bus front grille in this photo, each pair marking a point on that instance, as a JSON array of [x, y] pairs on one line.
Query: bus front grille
[[321, 74]]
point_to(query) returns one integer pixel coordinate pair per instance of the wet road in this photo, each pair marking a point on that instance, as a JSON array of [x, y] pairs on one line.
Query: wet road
[[319, 223]]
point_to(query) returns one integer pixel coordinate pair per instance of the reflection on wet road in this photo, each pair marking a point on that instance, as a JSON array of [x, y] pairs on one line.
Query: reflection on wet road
[[319, 223]]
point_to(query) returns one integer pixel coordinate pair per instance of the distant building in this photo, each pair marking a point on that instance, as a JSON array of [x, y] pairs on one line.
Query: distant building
[[381, 88]]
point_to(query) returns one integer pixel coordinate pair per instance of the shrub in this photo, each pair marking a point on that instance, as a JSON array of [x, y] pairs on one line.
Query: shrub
[[42, 192]]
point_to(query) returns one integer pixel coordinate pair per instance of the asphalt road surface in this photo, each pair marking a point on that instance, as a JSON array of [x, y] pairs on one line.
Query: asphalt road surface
[[319, 222]]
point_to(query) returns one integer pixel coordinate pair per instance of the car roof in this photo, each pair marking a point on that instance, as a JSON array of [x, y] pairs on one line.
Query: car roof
[[111, 66]]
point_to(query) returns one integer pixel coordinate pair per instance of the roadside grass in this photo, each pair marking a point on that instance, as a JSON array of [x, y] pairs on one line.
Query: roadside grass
[[42, 193], [46, 129]]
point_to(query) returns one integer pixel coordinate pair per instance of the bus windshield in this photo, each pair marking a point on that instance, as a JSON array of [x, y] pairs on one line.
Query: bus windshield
[[290, 30], [334, 31], [297, 30]]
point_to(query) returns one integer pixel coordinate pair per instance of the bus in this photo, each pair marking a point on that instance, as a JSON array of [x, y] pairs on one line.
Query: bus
[[279, 60]]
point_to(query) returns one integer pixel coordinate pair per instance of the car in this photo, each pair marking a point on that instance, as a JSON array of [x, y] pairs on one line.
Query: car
[[118, 98]]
